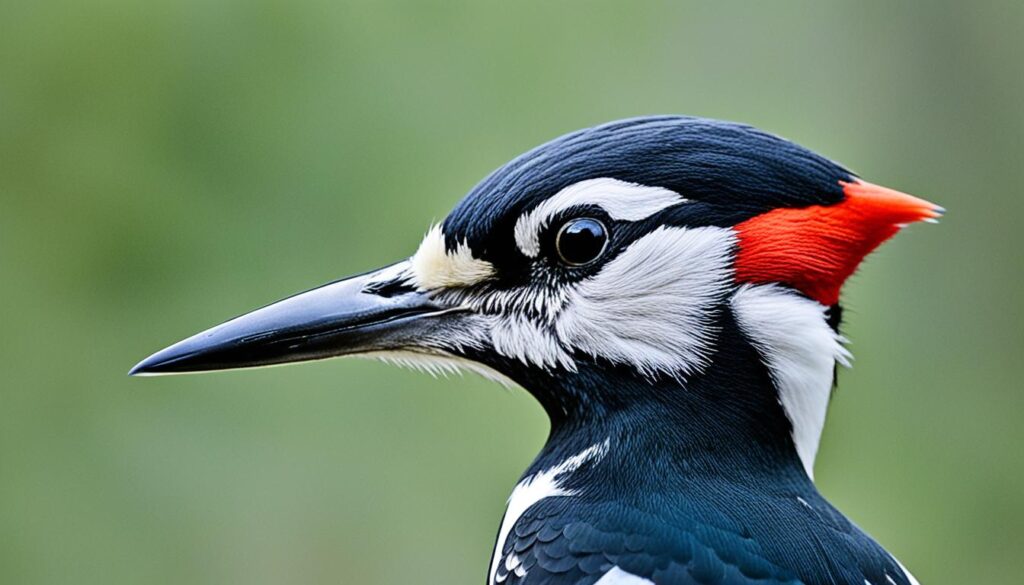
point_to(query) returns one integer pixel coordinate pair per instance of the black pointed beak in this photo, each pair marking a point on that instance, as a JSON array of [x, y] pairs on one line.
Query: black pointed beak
[[369, 313]]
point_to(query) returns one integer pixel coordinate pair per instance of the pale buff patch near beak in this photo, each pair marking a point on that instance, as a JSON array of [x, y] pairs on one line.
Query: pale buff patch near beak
[[433, 266]]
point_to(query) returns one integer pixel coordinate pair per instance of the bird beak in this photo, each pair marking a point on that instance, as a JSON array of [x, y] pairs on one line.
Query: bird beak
[[367, 313]]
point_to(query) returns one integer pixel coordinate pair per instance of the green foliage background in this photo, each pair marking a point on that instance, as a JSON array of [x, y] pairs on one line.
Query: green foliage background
[[167, 164]]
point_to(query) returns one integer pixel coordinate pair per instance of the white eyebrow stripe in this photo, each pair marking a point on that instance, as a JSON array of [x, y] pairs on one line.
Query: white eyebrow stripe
[[619, 199]]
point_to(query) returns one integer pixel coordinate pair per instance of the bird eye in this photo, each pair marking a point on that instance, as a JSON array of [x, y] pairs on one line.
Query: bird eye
[[581, 241]]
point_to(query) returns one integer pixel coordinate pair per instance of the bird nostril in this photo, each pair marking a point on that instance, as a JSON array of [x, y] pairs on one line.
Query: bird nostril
[[389, 288]]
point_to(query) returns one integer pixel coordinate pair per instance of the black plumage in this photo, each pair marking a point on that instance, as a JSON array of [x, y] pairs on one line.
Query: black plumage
[[735, 171], [697, 487], [691, 469]]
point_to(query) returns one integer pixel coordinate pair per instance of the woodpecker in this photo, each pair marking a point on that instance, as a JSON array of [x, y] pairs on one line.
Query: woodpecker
[[667, 288]]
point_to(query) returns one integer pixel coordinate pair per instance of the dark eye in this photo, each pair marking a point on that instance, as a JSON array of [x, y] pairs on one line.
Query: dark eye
[[581, 241]]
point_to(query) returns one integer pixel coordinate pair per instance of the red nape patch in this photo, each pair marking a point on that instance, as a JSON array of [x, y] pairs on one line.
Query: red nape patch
[[815, 249]]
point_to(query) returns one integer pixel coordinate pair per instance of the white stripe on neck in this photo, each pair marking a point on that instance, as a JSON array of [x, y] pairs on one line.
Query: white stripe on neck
[[541, 485], [800, 349]]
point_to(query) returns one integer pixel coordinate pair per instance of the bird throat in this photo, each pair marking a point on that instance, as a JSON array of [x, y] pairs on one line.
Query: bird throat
[[727, 419]]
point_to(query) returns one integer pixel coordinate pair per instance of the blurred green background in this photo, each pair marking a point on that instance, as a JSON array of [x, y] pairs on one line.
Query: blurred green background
[[167, 164]]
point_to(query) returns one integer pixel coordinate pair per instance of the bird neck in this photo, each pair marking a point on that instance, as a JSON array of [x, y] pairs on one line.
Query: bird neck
[[726, 422]]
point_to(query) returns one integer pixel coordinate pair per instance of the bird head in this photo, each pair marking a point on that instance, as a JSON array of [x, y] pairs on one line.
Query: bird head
[[646, 261]]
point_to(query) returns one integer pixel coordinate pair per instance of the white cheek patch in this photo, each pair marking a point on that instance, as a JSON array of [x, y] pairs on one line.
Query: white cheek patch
[[434, 266], [651, 308], [800, 349], [619, 199], [653, 305], [520, 338]]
